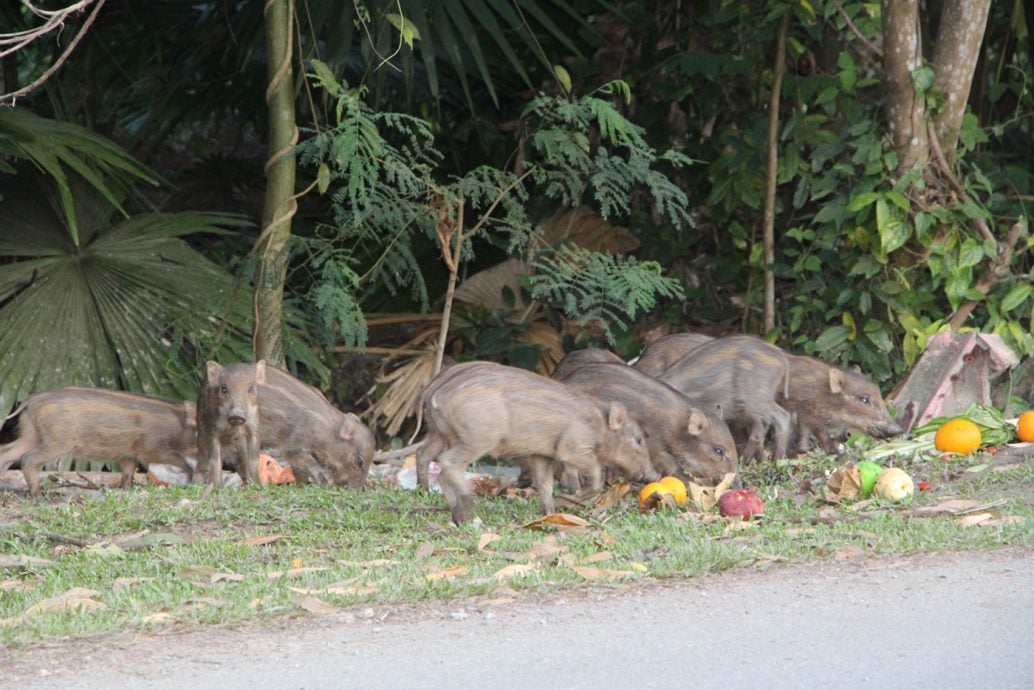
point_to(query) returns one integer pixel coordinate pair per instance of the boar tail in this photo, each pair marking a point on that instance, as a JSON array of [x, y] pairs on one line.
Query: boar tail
[[17, 411]]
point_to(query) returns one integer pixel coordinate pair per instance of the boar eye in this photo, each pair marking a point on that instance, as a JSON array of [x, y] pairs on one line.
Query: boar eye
[[719, 451], [865, 399], [224, 390], [360, 462]]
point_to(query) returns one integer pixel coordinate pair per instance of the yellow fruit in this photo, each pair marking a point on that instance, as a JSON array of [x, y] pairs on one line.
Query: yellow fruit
[[957, 435], [653, 488], [678, 488], [894, 483], [1025, 426]]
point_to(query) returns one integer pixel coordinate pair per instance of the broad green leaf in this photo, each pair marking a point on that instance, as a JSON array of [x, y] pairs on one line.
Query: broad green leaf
[[1015, 297]]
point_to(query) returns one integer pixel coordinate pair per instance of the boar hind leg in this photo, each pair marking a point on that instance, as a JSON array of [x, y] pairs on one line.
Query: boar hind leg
[[432, 447], [782, 424], [127, 471], [31, 464], [542, 476], [457, 492]]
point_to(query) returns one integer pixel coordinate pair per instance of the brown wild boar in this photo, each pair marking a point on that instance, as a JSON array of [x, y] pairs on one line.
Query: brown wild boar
[[744, 376], [98, 424], [228, 421], [683, 438], [589, 355], [660, 354], [298, 425], [829, 401], [483, 408]]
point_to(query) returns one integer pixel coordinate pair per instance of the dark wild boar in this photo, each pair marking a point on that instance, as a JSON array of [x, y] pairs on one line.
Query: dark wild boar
[[589, 355], [298, 425], [683, 438], [228, 421], [658, 356], [483, 408], [829, 401], [98, 424], [744, 376]]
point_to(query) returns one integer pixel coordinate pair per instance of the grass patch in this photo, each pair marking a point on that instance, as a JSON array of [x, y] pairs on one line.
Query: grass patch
[[153, 558]]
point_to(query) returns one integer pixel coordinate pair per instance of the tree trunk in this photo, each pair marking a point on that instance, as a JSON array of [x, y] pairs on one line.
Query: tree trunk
[[959, 37], [772, 171], [279, 205], [902, 53]]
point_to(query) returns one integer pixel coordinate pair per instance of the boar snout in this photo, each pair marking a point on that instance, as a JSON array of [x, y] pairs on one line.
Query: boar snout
[[885, 428], [235, 419]]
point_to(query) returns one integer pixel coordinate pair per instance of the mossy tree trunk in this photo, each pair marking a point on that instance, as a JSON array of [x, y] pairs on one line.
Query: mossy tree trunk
[[279, 206]]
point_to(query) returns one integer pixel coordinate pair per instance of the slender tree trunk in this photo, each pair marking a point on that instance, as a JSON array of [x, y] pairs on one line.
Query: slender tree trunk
[[771, 174], [902, 53], [279, 206], [959, 37]]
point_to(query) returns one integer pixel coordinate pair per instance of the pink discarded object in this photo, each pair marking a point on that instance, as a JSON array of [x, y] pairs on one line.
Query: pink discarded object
[[954, 372]]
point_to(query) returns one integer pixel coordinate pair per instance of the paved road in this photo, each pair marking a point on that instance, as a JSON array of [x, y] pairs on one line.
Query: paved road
[[928, 621]]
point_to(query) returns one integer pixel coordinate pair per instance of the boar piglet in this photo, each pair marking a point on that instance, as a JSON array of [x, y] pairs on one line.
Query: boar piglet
[[684, 439], [228, 421], [744, 376], [658, 356], [298, 425], [98, 424], [829, 401], [483, 408], [589, 355]]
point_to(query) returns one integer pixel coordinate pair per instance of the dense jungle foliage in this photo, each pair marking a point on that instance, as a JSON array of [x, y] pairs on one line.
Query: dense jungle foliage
[[133, 182]]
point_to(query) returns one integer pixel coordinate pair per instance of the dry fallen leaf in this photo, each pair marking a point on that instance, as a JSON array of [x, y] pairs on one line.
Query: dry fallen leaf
[[951, 506], [448, 573], [160, 617], [18, 561], [371, 563], [514, 570], [704, 498], [1007, 520], [598, 557], [315, 605], [486, 539], [844, 483], [197, 572], [612, 496], [263, 540], [974, 519], [123, 583], [424, 550], [16, 585], [230, 577], [848, 552], [558, 520], [545, 550], [590, 573], [77, 598]]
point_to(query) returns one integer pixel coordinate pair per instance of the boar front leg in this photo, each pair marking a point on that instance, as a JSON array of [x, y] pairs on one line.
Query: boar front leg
[[432, 447], [209, 460]]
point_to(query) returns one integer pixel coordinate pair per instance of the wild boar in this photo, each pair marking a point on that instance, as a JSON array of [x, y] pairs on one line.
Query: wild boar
[[659, 355], [98, 424], [589, 355], [828, 401], [228, 420], [683, 437], [482, 408], [298, 425], [744, 376]]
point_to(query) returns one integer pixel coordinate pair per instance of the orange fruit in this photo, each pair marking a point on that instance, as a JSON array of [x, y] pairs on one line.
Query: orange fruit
[[957, 435], [678, 488], [653, 488], [1025, 426]]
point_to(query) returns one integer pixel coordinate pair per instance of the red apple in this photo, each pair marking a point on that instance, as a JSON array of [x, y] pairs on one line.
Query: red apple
[[742, 502]]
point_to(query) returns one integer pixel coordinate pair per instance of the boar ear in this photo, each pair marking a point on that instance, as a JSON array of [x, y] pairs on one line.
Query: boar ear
[[260, 371], [616, 415], [697, 422], [212, 370], [836, 380], [347, 430]]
